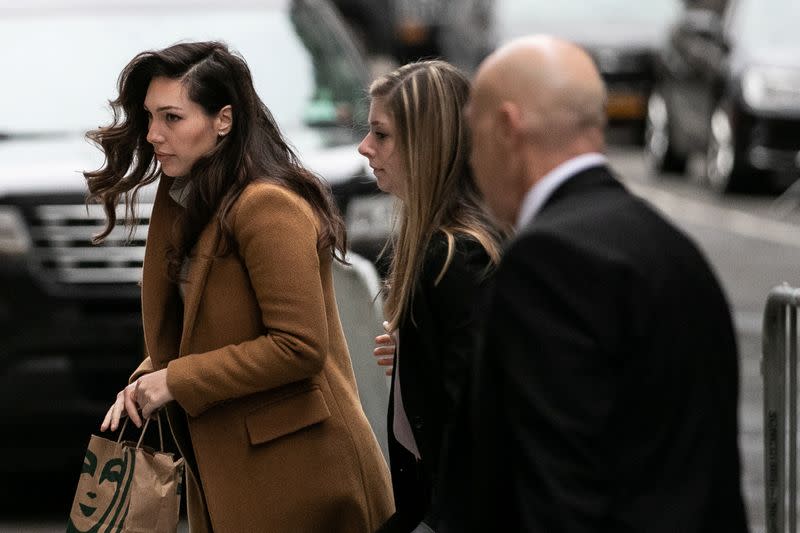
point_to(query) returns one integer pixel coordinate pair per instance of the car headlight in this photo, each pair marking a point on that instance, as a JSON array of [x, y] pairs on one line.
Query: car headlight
[[771, 88], [14, 238]]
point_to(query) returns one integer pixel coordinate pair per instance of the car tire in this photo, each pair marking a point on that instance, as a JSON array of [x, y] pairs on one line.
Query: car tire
[[658, 147], [725, 171]]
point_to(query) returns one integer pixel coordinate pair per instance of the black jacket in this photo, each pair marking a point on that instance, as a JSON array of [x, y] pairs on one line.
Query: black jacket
[[437, 341], [605, 396]]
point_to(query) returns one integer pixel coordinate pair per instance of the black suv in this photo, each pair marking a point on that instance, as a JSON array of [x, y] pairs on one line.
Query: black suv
[[728, 88], [70, 324]]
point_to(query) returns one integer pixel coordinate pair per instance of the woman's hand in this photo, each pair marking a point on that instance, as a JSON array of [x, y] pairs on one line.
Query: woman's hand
[[385, 346], [152, 392], [124, 404], [148, 393]]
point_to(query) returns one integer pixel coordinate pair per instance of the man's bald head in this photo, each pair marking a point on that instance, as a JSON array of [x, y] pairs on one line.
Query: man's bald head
[[554, 83], [535, 103]]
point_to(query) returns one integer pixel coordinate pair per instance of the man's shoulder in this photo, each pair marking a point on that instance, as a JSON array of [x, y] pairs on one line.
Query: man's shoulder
[[595, 202], [599, 216], [613, 230]]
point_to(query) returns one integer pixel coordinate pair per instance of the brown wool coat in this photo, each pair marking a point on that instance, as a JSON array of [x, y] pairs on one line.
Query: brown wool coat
[[262, 379]]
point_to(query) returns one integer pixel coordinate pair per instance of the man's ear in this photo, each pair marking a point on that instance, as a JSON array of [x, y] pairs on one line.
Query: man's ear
[[510, 121], [224, 121]]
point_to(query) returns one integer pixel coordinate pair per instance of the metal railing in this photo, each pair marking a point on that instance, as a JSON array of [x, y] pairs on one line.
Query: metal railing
[[779, 370]]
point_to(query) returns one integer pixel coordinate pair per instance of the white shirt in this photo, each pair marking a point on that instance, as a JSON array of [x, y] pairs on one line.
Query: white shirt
[[537, 195], [401, 427]]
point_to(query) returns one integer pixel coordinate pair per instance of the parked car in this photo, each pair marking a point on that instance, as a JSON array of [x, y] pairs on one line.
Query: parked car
[[728, 89], [621, 36], [70, 324]]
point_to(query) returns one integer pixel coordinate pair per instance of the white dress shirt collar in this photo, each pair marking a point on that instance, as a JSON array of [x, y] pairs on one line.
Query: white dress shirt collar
[[537, 195]]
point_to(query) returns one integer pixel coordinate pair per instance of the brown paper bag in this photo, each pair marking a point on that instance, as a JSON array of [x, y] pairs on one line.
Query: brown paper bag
[[103, 493], [127, 488], [155, 493]]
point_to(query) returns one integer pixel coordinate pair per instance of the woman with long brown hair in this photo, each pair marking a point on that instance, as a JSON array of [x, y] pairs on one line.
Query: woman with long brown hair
[[244, 345], [443, 252]]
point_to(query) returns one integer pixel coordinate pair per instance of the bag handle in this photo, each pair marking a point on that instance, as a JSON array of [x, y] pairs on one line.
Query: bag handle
[[144, 430]]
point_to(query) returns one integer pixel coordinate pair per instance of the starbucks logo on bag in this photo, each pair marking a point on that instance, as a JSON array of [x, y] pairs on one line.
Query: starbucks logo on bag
[[105, 503]]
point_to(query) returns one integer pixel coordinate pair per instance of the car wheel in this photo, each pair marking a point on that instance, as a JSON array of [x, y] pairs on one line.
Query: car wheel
[[659, 152], [724, 170]]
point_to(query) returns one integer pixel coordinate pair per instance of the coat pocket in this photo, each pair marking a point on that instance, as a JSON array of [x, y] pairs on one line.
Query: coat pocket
[[286, 415]]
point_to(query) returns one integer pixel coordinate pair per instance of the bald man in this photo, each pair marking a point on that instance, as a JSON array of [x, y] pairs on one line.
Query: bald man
[[605, 396]]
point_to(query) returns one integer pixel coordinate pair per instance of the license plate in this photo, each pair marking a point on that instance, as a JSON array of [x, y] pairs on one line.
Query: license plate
[[626, 106]]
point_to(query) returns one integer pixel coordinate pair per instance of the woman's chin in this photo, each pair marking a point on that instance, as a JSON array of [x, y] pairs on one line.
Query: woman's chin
[[382, 184], [170, 172]]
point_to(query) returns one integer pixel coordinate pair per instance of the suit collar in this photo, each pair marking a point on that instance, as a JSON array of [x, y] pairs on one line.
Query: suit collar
[[538, 195], [582, 182]]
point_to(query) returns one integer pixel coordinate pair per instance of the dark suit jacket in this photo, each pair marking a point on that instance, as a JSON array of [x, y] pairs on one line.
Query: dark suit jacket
[[437, 345], [605, 397]]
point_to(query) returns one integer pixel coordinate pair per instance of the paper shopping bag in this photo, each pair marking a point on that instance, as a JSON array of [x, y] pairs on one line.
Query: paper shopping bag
[[103, 493], [155, 492], [127, 488]]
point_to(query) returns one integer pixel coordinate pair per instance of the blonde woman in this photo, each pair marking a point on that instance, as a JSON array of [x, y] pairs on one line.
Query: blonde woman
[[443, 252]]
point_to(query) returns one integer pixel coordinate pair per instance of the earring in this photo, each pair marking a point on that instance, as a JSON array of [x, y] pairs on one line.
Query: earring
[[221, 133]]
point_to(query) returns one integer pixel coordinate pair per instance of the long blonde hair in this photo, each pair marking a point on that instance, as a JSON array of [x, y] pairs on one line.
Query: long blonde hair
[[426, 100]]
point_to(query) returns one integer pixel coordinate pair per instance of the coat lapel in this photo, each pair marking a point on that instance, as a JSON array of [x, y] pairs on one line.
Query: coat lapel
[[201, 260], [161, 306], [162, 313]]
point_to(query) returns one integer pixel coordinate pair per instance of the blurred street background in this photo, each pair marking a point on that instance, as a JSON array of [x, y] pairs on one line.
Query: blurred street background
[[704, 123]]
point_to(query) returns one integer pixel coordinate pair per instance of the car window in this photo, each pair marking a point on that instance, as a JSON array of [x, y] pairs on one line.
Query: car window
[[340, 83], [65, 64]]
